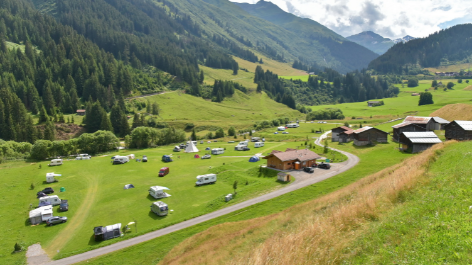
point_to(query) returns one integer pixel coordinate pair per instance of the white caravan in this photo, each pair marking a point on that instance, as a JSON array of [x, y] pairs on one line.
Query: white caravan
[[158, 192], [239, 147], [131, 157], [120, 160], [217, 151], [159, 208], [206, 179], [293, 125], [53, 200], [281, 128], [50, 177], [258, 144], [83, 157], [244, 143], [40, 214], [55, 162]]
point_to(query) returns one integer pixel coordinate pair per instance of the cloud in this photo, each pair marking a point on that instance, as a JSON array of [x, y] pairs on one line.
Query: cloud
[[389, 18]]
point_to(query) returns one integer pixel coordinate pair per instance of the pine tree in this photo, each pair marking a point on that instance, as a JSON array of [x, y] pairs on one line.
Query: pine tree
[[136, 121], [49, 131], [194, 135], [125, 129], [201, 77], [43, 115], [105, 124], [48, 99]]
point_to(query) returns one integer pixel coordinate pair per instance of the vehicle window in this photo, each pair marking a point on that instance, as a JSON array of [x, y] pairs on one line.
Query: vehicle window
[[206, 178]]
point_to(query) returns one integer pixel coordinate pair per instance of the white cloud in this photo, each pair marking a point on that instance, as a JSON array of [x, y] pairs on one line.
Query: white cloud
[[389, 18]]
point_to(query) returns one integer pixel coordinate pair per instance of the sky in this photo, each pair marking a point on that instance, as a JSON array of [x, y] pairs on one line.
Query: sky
[[389, 18]]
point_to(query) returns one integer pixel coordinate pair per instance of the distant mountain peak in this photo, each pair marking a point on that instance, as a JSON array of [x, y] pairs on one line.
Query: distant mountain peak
[[372, 41], [405, 39]]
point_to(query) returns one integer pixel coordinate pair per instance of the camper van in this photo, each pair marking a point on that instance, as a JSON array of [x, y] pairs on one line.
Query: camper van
[[158, 192], [131, 157], [244, 143], [164, 171], [239, 147], [206, 179], [50, 177], [258, 144], [120, 160], [176, 149], [217, 151], [55, 162], [40, 214], [160, 208], [281, 128], [53, 200], [255, 139], [83, 157], [293, 125], [101, 233]]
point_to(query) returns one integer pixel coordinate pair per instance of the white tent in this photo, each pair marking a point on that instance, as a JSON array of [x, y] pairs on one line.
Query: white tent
[[191, 148]]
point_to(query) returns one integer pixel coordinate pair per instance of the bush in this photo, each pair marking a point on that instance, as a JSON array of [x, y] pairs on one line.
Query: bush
[[412, 82], [325, 114]]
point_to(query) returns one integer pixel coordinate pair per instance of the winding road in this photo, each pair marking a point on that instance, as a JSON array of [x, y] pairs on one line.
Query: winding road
[[351, 162]]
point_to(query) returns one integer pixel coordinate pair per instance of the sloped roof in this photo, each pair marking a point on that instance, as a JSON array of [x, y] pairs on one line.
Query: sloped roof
[[440, 120], [345, 128], [466, 125], [420, 135], [417, 120], [425, 140], [403, 124], [301, 155]]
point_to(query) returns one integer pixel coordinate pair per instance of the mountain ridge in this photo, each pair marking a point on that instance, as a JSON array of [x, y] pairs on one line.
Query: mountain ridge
[[372, 41]]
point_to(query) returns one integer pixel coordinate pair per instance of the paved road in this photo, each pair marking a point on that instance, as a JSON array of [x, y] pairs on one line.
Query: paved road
[[351, 162]]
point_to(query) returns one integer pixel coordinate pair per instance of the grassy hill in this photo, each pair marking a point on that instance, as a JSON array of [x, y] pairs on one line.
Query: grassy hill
[[406, 104], [452, 112]]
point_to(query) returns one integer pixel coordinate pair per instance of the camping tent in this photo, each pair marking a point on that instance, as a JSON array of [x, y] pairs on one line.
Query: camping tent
[[128, 186], [254, 159], [196, 156], [191, 148], [207, 149]]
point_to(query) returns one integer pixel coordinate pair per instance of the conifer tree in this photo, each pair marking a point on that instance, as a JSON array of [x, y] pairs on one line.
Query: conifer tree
[[43, 115], [48, 99]]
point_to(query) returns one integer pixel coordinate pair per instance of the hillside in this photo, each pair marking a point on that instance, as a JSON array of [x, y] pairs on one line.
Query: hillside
[[449, 46], [452, 112], [372, 41], [332, 48]]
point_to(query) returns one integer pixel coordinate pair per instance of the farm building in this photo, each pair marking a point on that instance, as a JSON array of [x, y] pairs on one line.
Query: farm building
[[415, 142], [291, 159], [372, 103], [459, 130], [405, 127], [366, 135], [81, 112], [440, 123], [426, 122], [284, 177], [335, 135]]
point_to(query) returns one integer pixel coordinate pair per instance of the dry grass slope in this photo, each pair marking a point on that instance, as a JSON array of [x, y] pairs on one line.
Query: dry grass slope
[[452, 112], [469, 88], [315, 232]]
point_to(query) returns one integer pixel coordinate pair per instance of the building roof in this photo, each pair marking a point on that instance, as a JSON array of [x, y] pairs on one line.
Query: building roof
[[291, 154], [466, 125], [345, 128], [373, 101], [425, 140], [401, 125], [420, 135], [417, 120], [80, 110], [440, 120]]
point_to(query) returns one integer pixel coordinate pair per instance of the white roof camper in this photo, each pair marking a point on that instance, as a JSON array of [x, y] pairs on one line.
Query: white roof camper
[[50, 177], [158, 192]]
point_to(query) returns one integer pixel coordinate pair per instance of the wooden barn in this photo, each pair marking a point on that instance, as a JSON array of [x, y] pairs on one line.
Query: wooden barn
[[81, 112], [414, 142], [367, 135], [426, 122], [336, 132], [405, 127], [291, 159], [440, 123], [459, 130]]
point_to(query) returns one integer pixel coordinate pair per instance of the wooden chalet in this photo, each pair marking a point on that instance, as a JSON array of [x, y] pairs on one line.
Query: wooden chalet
[[81, 112], [405, 127], [414, 142], [291, 159], [372, 103], [426, 122], [440, 123], [459, 130], [366, 135], [336, 132]]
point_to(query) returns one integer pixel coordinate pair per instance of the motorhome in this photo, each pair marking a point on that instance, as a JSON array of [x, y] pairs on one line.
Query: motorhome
[[258, 144], [281, 128], [255, 139], [239, 147], [50, 177], [293, 125], [131, 157], [206, 179], [159, 208], [120, 160], [176, 149], [83, 157], [55, 162], [158, 192], [244, 143], [217, 151], [53, 200]]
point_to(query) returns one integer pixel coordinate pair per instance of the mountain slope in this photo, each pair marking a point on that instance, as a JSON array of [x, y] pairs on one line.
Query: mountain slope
[[350, 54], [372, 41], [453, 45]]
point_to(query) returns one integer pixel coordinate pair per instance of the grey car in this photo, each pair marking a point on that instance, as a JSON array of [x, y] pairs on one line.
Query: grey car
[[56, 220]]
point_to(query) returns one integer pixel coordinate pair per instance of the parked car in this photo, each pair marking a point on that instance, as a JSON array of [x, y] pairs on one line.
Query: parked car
[[285, 133], [144, 158], [324, 166], [56, 220], [41, 194], [246, 148], [164, 171], [314, 165], [83, 157], [206, 157], [64, 206], [276, 133], [48, 190], [309, 170]]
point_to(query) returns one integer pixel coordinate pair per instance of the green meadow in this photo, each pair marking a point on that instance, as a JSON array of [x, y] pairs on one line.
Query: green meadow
[[304, 78], [406, 104]]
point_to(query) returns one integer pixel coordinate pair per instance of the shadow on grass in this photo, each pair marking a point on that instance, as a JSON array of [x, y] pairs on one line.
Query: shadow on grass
[[155, 216], [92, 241]]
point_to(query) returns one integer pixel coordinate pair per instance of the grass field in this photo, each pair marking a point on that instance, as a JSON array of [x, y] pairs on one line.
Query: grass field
[[373, 159], [304, 78], [451, 68], [406, 104]]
